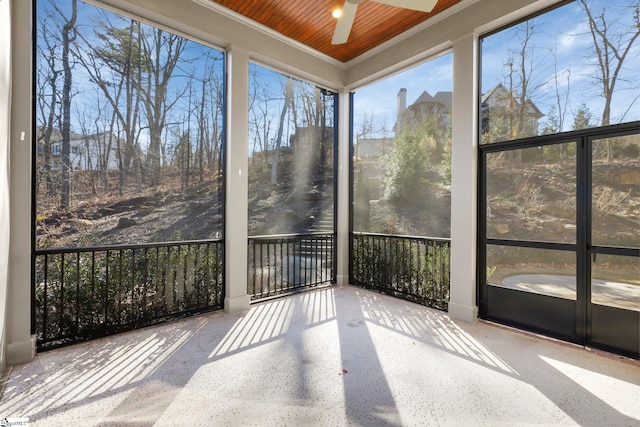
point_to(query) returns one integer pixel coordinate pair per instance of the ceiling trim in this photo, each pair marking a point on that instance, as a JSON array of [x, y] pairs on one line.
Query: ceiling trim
[[410, 32], [410, 62], [268, 31], [146, 16]]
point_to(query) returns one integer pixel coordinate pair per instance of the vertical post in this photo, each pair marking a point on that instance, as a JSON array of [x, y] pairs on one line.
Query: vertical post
[[237, 182], [344, 182], [5, 132], [464, 179], [20, 342]]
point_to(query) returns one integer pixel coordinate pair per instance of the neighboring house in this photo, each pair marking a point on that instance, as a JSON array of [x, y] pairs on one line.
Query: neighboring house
[[497, 105], [91, 152], [424, 108], [497, 109], [500, 112]]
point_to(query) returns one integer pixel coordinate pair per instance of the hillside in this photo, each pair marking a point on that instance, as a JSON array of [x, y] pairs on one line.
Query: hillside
[[192, 213], [530, 202]]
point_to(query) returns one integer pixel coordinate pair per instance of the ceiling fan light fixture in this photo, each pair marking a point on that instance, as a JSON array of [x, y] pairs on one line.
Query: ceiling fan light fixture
[[336, 13], [348, 16]]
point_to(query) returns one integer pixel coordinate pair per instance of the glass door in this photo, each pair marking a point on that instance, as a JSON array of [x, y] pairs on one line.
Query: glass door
[[559, 246], [530, 234]]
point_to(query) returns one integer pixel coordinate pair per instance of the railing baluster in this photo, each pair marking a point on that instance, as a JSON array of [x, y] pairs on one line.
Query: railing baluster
[[45, 298], [128, 270], [145, 279], [156, 280], [76, 326], [255, 266], [281, 263], [61, 312], [415, 268], [289, 263], [106, 289]]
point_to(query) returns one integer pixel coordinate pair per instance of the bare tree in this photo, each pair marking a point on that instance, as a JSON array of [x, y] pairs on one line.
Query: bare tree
[[161, 53], [114, 66], [611, 50], [208, 106], [217, 129], [68, 36], [260, 103], [288, 102], [521, 87], [201, 130], [562, 104], [47, 94]]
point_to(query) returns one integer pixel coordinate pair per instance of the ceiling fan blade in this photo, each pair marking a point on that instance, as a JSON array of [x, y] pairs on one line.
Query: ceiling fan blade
[[419, 5], [343, 26]]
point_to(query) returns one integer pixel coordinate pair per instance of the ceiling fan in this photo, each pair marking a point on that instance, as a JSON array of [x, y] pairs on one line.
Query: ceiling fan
[[343, 27]]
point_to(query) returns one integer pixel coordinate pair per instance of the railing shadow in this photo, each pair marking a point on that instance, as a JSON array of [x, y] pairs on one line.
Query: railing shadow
[[552, 369], [330, 351], [73, 378]]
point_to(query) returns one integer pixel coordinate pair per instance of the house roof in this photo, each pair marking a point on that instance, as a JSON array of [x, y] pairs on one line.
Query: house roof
[[500, 90], [443, 98]]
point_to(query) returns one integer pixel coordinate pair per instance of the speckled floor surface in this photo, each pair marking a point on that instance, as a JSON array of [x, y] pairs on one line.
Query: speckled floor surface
[[331, 357]]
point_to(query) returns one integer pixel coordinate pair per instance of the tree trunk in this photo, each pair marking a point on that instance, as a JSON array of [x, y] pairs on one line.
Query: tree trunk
[[67, 38], [288, 96]]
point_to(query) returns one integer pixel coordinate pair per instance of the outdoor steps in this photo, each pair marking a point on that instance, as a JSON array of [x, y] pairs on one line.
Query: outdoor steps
[[314, 247]]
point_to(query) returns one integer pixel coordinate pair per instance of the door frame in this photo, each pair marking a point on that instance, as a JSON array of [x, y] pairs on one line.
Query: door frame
[[513, 304]]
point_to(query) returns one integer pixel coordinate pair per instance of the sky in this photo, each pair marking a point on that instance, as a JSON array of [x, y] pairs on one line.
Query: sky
[[87, 98], [380, 99], [561, 47]]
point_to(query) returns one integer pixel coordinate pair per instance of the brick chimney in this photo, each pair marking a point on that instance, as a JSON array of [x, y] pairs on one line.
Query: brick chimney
[[402, 105]]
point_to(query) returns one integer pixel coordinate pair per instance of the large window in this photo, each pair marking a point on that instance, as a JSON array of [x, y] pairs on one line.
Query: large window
[[291, 155], [128, 174], [291, 184], [129, 126], [402, 152], [571, 68]]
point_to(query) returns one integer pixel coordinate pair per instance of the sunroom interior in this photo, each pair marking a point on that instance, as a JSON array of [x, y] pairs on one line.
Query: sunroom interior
[[489, 259]]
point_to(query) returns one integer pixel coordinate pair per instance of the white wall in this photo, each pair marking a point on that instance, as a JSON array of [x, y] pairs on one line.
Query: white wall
[[5, 104]]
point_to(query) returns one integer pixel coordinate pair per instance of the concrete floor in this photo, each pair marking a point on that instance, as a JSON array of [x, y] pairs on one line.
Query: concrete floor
[[331, 357]]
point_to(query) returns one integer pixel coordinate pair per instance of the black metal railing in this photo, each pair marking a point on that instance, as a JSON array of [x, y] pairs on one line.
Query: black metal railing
[[408, 267], [90, 292], [282, 264]]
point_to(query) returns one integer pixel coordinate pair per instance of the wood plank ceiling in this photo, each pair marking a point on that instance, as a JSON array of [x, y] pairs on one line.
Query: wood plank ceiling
[[310, 22]]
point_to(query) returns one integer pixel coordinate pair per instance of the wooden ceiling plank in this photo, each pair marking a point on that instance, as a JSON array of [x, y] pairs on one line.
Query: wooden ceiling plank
[[310, 22]]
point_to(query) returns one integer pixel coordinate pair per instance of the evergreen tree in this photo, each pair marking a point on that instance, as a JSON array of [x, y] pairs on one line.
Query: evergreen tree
[[407, 167], [582, 119]]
